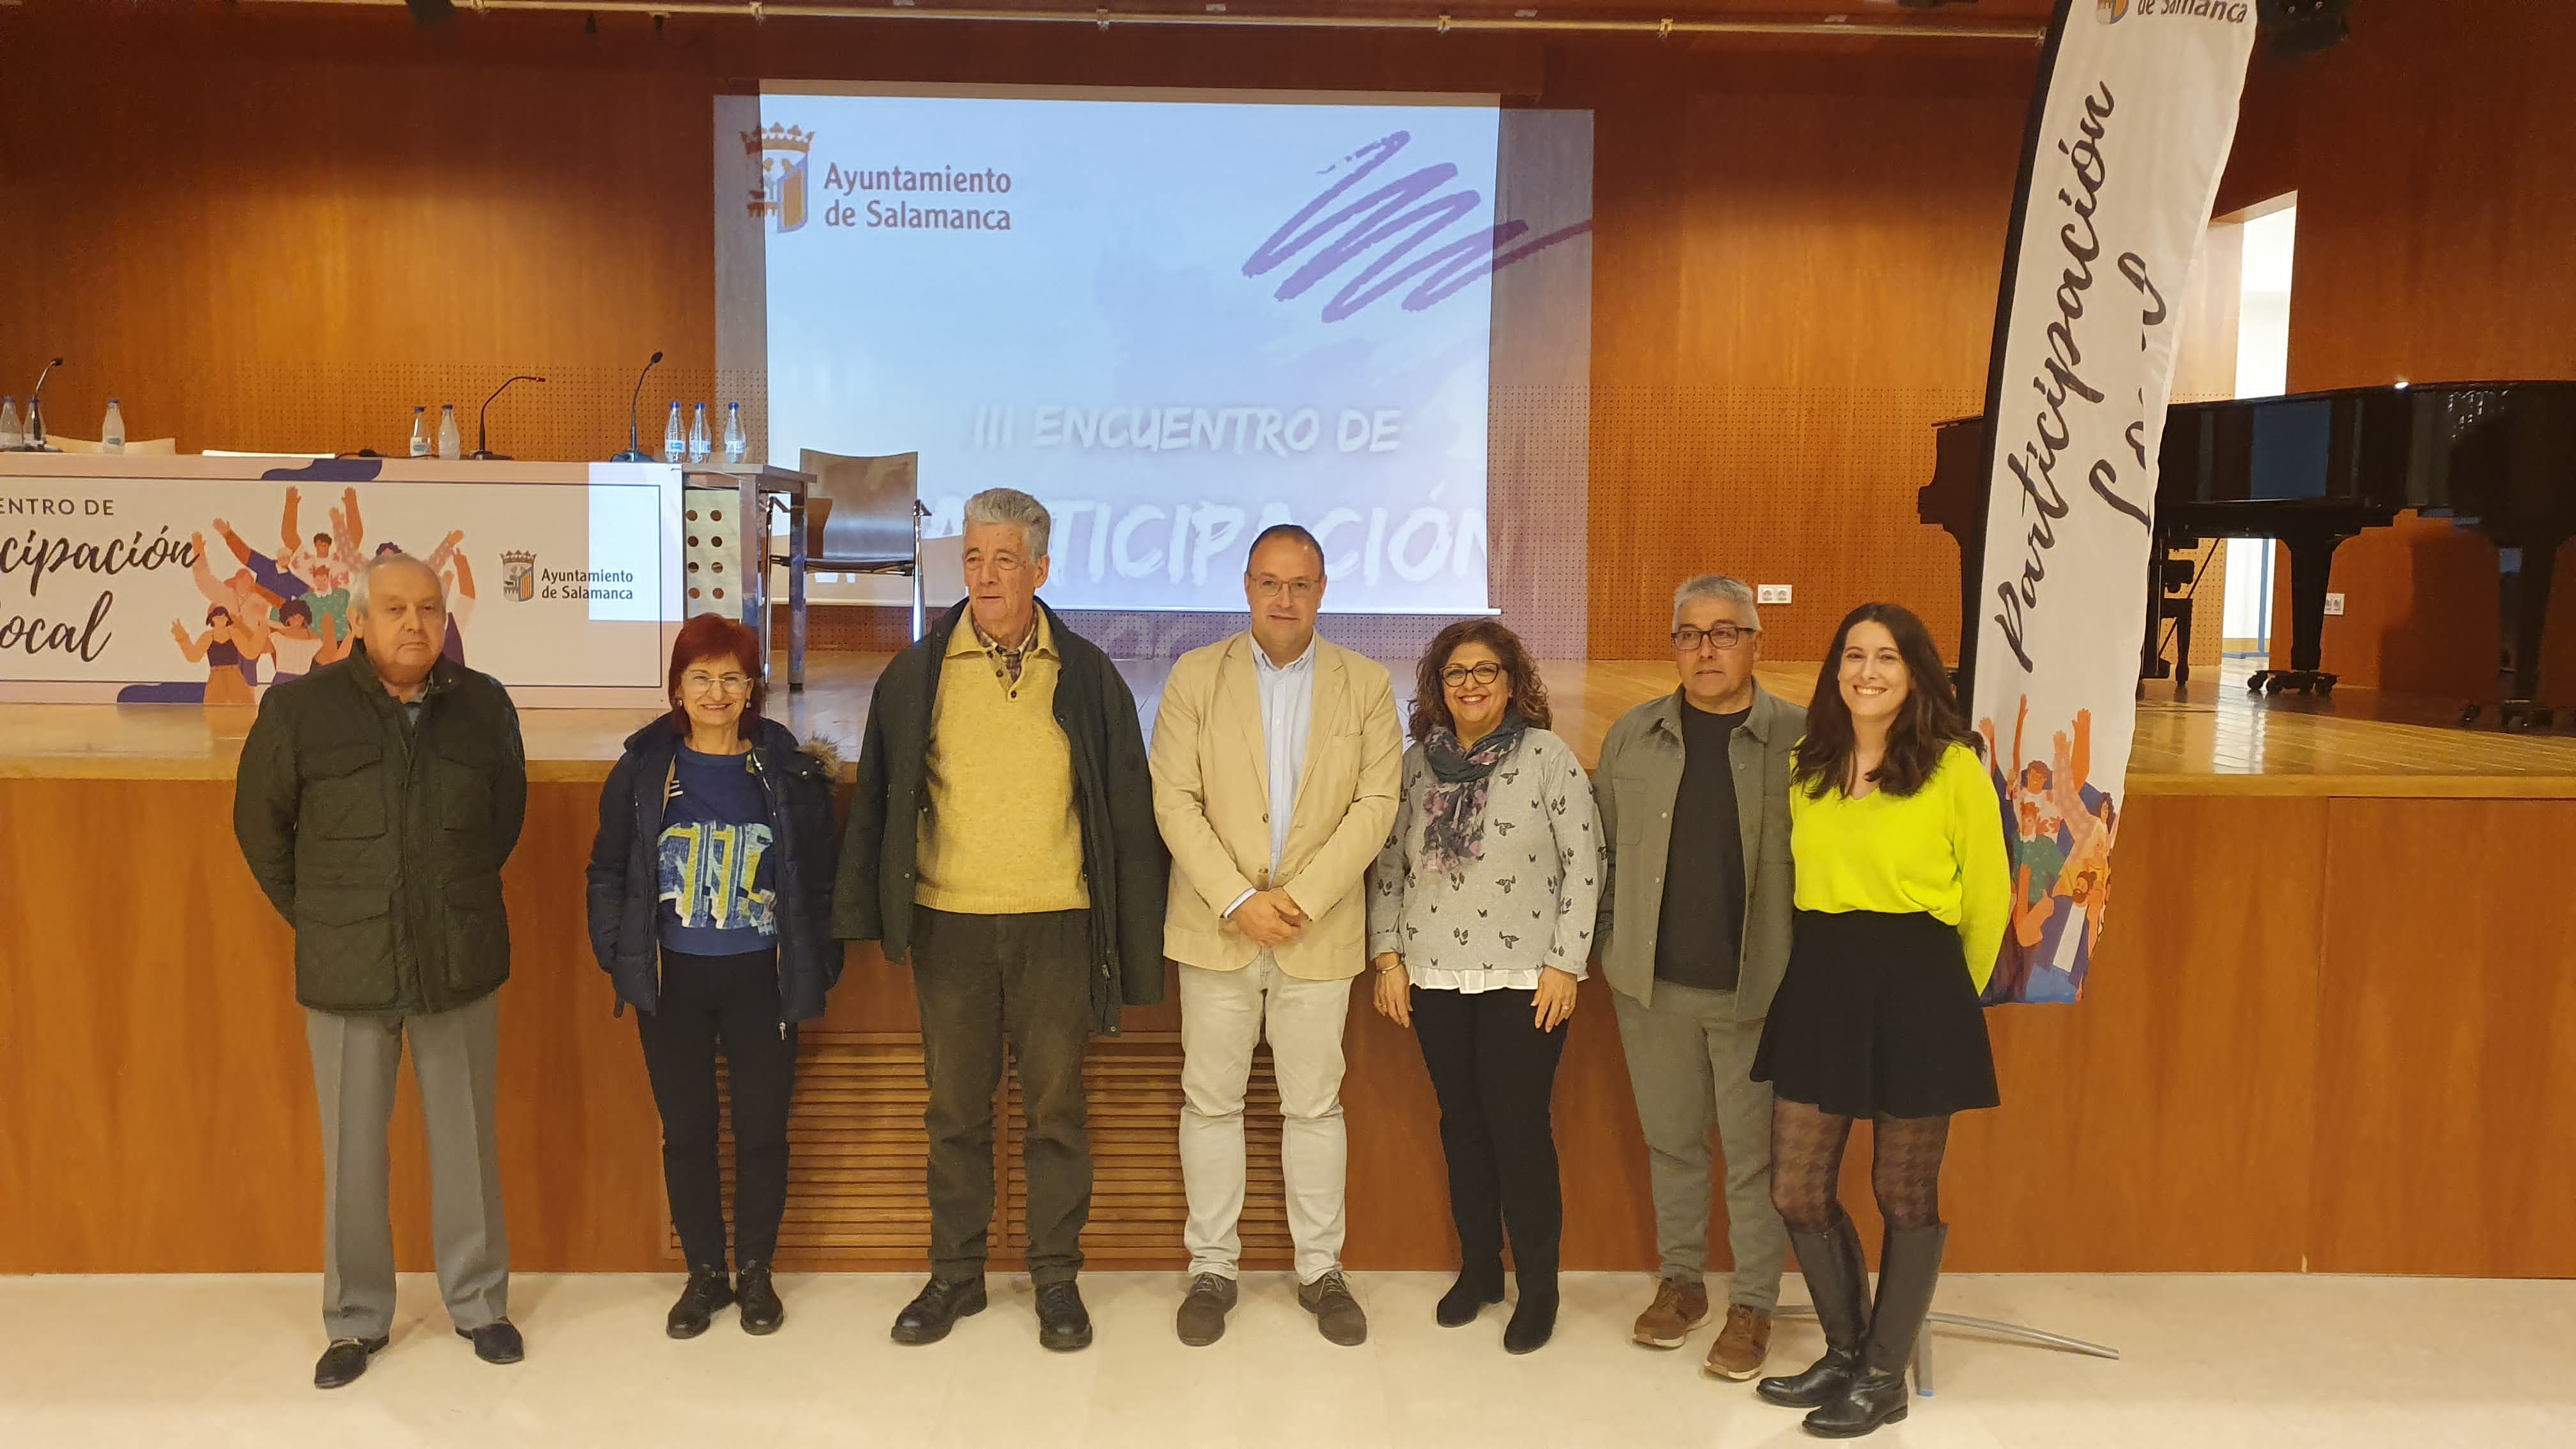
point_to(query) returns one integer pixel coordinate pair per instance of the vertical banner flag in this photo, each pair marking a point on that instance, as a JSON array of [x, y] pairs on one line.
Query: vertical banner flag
[[2131, 123]]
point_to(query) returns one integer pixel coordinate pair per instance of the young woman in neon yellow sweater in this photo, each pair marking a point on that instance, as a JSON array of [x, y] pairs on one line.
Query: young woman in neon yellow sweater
[[1903, 897]]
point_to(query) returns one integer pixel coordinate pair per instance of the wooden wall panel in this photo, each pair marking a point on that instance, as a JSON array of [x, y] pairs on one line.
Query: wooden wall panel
[[2446, 1091], [2162, 1124], [156, 1107], [156, 1098], [1794, 279], [268, 227]]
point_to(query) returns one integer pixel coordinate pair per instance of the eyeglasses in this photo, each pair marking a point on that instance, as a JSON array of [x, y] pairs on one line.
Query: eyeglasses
[[1270, 588], [1725, 636], [697, 683], [1458, 674]]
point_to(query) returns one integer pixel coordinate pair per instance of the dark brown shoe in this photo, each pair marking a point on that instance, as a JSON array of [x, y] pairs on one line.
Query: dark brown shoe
[[1336, 1312], [1742, 1346], [1201, 1320], [1678, 1308]]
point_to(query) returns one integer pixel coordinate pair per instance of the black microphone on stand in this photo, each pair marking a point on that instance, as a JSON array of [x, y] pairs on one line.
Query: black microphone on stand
[[482, 439], [634, 442], [36, 412]]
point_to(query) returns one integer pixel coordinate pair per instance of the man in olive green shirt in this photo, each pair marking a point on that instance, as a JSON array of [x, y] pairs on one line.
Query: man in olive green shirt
[[1693, 789]]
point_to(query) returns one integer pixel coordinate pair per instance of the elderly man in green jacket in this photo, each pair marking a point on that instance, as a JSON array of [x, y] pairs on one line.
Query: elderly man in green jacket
[[376, 801], [1693, 789]]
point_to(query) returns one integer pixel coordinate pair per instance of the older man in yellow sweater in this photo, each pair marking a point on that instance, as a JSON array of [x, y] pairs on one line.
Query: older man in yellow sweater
[[1002, 839], [1276, 764]]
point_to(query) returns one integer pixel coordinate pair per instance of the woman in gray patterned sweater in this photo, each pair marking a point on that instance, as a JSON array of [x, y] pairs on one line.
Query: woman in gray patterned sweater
[[1480, 919]]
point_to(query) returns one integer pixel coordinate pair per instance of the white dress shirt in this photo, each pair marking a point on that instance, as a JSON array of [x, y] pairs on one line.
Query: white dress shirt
[[1287, 715]]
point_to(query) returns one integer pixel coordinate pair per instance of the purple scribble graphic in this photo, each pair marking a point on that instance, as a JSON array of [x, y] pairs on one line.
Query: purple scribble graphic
[[1453, 266]]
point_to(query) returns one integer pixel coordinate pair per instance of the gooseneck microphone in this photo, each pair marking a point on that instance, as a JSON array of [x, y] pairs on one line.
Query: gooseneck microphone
[[634, 442], [482, 438], [36, 412]]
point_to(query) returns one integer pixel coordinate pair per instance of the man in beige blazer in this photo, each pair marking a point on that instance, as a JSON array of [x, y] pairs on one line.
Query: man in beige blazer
[[1276, 762]]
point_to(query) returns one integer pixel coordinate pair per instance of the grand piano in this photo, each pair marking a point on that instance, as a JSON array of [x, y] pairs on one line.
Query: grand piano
[[2312, 470]]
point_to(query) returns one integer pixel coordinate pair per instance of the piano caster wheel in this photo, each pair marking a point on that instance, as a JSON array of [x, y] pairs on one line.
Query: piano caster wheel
[[2469, 713], [2326, 683], [2276, 684], [2255, 681]]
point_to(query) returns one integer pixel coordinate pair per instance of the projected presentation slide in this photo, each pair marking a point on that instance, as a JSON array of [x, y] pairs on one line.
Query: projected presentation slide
[[1174, 321]]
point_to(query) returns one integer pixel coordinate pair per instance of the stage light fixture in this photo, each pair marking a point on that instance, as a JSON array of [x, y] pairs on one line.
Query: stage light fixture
[[2303, 27]]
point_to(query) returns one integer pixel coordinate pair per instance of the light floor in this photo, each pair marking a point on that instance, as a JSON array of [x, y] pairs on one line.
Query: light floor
[[2208, 1362]]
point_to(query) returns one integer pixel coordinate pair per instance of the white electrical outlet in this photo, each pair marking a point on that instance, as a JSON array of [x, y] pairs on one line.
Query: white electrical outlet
[[1775, 594], [2334, 605]]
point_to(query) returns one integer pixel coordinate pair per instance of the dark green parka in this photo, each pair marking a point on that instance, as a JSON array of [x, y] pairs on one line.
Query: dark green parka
[[381, 840]]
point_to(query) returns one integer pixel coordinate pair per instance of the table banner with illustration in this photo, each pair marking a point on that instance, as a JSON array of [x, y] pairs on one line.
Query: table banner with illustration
[[186, 580]]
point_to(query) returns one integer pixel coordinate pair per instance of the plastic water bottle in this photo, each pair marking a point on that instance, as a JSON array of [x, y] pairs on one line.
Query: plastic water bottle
[[35, 437], [672, 438], [10, 437], [451, 443], [735, 443], [698, 435], [111, 429], [420, 432]]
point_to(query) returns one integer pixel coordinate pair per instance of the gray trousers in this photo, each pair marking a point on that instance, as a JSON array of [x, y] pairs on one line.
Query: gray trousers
[[1690, 1063], [455, 1057]]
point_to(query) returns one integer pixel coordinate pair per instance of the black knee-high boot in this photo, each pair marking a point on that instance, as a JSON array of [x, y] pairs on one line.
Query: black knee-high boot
[[1909, 1267], [1838, 1282]]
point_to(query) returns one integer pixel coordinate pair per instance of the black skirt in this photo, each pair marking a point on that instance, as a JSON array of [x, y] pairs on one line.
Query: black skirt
[[1876, 1017]]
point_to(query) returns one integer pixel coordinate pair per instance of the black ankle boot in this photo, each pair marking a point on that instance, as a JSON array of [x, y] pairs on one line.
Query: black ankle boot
[[709, 1289], [1534, 1317], [1909, 1267], [937, 1307], [1838, 1283], [761, 1310], [1478, 1285]]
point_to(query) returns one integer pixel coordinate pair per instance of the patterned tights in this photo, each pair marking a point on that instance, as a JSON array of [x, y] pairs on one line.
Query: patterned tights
[[1807, 1163]]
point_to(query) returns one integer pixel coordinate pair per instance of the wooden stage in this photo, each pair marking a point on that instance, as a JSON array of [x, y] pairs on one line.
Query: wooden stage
[[2324, 1032]]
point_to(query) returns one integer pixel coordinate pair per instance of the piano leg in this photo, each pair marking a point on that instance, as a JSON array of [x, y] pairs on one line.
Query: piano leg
[[2311, 566], [2522, 593]]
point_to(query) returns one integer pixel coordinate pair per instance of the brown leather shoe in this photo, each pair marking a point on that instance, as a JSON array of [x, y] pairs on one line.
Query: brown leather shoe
[[1336, 1312], [1201, 1320], [1742, 1346], [1678, 1308]]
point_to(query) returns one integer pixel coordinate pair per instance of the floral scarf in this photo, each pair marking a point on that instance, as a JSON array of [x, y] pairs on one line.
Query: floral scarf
[[1454, 831]]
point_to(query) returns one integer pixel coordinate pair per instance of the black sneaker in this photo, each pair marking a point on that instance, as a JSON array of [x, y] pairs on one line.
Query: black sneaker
[[937, 1307], [708, 1290], [1063, 1324], [761, 1310]]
